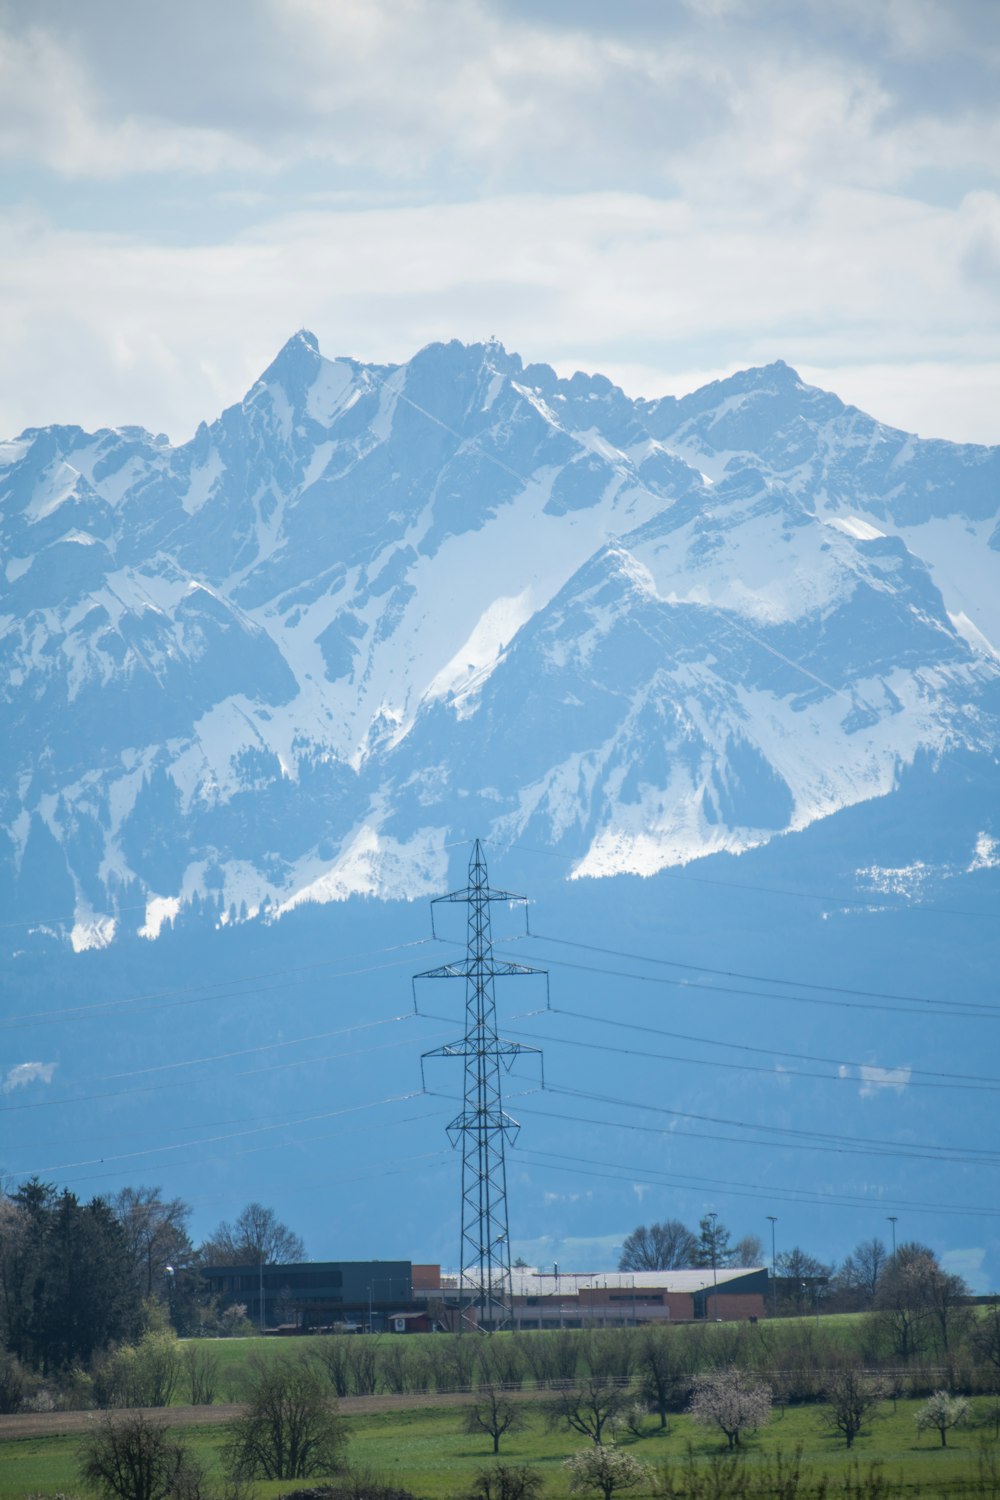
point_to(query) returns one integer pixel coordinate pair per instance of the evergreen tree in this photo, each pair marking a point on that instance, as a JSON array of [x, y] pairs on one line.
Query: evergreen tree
[[712, 1248]]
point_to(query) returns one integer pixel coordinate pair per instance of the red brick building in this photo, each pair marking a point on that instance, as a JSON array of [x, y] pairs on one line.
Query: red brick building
[[609, 1299]]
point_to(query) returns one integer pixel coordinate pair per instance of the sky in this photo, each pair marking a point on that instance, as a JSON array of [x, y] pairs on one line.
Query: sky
[[661, 190]]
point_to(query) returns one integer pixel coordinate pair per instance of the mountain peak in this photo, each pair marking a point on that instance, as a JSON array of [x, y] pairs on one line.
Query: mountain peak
[[774, 377], [295, 366]]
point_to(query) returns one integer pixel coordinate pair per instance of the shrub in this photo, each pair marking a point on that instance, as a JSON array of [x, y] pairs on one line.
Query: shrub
[[131, 1458], [507, 1482]]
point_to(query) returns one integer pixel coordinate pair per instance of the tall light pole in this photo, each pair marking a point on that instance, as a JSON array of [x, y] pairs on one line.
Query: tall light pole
[[715, 1274], [168, 1275], [260, 1288], [773, 1219], [386, 1281], [891, 1218]]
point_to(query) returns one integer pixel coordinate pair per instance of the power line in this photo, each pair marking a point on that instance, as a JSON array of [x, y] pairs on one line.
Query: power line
[[757, 1191], [153, 1088], [830, 989], [973, 1012], [215, 1139], [309, 1187], [157, 999], [814, 1140], [915, 1076], [731, 1140], [297, 1041]]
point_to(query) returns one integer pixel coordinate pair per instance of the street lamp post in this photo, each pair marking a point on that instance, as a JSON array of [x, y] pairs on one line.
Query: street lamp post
[[773, 1219], [260, 1289], [715, 1273], [168, 1274], [386, 1281], [891, 1218]]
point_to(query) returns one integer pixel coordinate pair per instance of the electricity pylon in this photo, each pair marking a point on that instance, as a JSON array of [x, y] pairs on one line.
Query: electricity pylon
[[483, 1126]]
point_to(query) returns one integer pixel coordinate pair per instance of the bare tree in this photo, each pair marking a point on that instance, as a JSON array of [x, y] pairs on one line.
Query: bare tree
[[13, 1384], [201, 1366], [918, 1299], [658, 1247], [607, 1351], [394, 1365], [852, 1397], [289, 1429], [256, 1237], [502, 1362], [508, 1482], [749, 1251], [802, 1280], [452, 1359], [155, 1231], [732, 1401], [362, 1361], [591, 1407], [659, 1363], [131, 1458], [333, 1356], [495, 1414], [985, 1338], [862, 1270]]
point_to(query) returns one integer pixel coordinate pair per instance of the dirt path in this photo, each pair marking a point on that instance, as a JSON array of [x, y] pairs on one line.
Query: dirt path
[[52, 1423]]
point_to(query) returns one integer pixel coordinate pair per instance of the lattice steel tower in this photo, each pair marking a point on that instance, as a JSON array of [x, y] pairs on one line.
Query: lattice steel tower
[[483, 1126]]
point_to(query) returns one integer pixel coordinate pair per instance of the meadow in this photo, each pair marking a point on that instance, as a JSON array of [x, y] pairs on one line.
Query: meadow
[[425, 1451]]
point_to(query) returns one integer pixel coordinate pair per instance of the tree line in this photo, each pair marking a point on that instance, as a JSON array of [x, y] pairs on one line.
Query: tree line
[[90, 1294], [77, 1279], [868, 1277]]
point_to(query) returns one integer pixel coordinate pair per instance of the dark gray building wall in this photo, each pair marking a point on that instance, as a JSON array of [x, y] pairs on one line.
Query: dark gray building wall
[[316, 1292]]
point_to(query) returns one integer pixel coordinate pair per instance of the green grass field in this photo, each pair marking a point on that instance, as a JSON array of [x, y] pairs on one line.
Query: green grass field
[[425, 1450]]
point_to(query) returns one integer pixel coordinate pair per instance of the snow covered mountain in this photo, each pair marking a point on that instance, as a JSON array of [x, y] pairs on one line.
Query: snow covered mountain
[[373, 609]]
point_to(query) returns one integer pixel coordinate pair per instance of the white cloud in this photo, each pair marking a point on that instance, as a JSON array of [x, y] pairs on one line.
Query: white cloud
[[167, 333], [21, 1074], [514, 93], [874, 1079], [654, 191]]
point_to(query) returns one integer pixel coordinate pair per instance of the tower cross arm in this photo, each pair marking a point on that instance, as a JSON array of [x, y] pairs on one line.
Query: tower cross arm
[[461, 968], [505, 968], [479, 893], [470, 1047]]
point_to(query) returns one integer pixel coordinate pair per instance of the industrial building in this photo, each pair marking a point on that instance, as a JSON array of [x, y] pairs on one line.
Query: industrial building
[[608, 1299], [322, 1293], [400, 1297]]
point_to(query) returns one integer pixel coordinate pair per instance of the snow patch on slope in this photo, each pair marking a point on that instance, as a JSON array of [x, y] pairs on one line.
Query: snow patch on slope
[[375, 865], [334, 390], [853, 526], [492, 632]]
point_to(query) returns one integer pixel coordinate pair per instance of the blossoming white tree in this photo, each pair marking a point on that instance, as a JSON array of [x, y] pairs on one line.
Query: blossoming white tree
[[732, 1401], [607, 1469], [942, 1412]]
